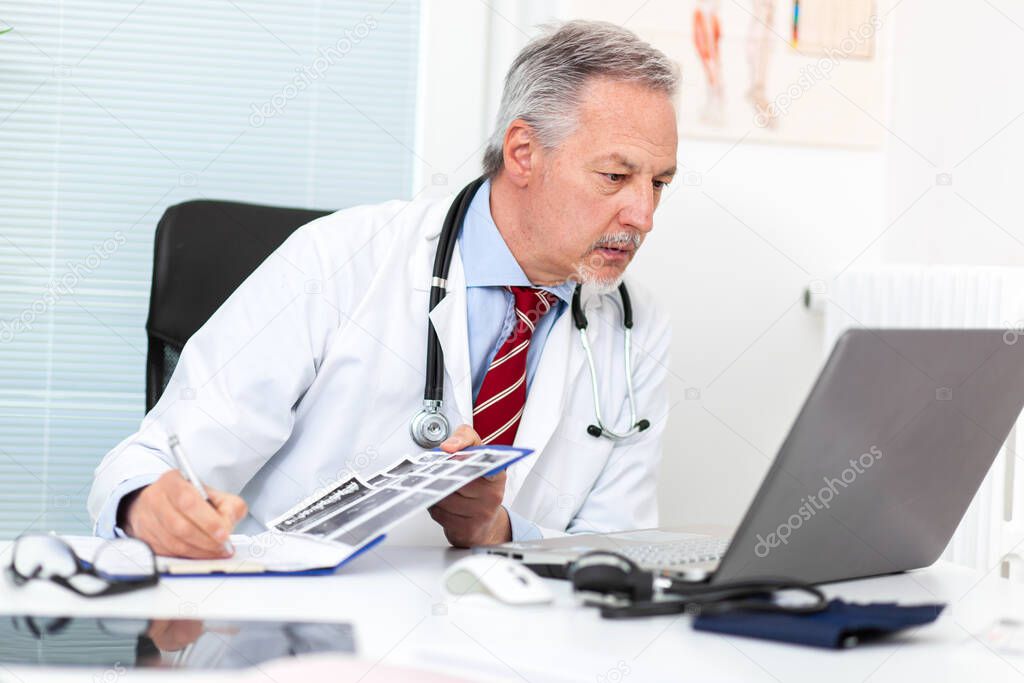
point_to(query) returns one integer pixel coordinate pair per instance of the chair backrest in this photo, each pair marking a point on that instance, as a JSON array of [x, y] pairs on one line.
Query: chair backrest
[[202, 251]]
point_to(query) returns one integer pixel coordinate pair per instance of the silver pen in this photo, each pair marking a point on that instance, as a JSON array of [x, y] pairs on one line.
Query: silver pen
[[185, 467]]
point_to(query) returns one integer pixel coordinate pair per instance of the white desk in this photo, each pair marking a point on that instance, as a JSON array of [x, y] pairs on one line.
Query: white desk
[[392, 596]]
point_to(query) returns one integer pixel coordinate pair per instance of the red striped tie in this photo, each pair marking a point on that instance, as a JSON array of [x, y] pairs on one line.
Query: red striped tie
[[499, 405]]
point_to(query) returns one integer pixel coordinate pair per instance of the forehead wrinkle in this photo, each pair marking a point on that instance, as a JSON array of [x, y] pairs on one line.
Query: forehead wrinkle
[[620, 158]]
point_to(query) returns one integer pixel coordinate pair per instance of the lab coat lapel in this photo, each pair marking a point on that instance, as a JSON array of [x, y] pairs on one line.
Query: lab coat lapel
[[560, 363], [449, 319]]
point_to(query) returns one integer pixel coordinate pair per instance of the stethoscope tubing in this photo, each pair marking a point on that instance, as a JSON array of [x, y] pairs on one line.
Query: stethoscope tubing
[[430, 416], [434, 388]]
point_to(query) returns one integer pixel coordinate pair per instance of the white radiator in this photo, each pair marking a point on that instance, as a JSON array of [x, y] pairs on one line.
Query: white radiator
[[945, 296]]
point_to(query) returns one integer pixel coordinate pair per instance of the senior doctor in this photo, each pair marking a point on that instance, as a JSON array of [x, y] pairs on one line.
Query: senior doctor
[[312, 369]]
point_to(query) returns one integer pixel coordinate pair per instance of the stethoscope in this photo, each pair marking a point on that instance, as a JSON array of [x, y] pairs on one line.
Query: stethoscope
[[429, 426], [622, 589]]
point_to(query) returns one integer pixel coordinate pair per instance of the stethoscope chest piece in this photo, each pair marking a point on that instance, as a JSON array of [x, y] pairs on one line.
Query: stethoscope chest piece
[[429, 427]]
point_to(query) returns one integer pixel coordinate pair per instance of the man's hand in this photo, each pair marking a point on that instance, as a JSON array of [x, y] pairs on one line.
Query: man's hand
[[473, 515], [172, 517]]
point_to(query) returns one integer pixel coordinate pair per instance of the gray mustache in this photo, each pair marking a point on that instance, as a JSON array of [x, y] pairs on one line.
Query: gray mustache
[[620, 238]]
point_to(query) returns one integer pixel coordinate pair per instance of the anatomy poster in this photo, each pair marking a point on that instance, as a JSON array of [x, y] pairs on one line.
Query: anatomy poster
[[788, 71]]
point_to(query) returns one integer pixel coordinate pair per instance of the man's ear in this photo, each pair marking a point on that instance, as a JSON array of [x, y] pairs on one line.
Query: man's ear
[[519, 150]]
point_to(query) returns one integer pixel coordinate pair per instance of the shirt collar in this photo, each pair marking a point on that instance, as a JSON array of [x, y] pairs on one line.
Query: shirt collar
[[486, 259]]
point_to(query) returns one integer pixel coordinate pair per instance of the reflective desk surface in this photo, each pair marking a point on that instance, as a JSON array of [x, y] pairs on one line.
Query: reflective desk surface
[[392, 597]]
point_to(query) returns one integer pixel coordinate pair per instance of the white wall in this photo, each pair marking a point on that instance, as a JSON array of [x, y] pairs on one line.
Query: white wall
[[746, 228], [731, 259], [452, 95], [954, 106], [957, 108]]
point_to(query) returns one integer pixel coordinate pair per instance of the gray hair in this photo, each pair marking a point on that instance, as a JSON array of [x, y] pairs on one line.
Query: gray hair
[[545, 82]]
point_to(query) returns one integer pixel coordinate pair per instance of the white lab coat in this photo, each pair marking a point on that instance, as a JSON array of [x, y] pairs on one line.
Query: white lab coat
[[313, 368]]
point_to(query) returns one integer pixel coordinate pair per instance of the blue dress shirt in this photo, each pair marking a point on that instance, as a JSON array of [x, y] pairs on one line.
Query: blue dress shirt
[[490, 309]]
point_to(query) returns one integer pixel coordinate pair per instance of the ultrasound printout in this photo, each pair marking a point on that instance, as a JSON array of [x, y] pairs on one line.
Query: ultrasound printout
[[358, 509], [338, 497]]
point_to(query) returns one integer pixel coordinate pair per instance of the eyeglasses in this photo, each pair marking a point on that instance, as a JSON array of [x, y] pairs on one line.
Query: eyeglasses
[[119, 566]]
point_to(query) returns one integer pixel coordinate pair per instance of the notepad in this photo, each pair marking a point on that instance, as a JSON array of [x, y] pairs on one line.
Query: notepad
[[270, 552], [332, 526]]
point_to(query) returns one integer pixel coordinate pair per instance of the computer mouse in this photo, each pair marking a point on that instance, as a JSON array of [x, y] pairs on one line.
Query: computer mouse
[[503, 579]]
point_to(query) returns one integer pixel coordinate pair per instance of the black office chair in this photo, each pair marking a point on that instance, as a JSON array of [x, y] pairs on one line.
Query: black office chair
[[202, 251]]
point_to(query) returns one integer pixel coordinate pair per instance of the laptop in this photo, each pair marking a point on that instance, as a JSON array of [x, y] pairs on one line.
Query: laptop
[[873, 478]]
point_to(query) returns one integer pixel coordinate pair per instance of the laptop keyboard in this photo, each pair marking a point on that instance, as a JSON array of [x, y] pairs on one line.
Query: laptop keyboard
[[681, 553]]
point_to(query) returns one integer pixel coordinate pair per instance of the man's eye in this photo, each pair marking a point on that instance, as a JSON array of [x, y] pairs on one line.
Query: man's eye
[[614, 177], [660, 184]]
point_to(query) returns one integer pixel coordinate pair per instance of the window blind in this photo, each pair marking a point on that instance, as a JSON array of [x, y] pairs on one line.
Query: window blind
[[113, 110]]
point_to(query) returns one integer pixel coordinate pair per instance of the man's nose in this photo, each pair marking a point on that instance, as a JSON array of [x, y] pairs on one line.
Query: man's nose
[[639, 211]]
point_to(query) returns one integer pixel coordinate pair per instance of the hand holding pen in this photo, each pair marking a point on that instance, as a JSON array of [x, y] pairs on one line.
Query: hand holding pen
[[179, 516]]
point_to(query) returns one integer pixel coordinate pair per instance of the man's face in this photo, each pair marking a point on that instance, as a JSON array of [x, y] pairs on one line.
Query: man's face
[[592, 199]]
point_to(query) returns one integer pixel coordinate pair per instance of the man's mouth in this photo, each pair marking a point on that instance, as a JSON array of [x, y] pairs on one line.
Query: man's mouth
[[618, 248], [615, 249], [614, 253], [621, 241], [621, 248]]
